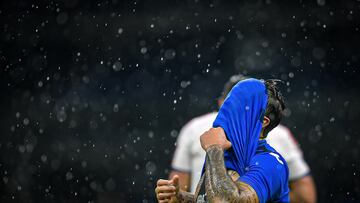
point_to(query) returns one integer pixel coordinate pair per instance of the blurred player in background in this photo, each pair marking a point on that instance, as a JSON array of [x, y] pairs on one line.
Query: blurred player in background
[[189, 156]]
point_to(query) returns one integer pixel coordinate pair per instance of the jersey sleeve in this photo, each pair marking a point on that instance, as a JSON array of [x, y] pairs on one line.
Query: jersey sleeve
[[294, 157], [182, 156], [268, 176], [298, 168]]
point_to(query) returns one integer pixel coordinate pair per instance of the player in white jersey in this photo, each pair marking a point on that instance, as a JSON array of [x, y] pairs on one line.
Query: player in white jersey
[[189, 156]]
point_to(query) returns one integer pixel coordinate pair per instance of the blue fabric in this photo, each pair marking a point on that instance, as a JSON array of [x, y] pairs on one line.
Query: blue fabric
[[268, 175], [241, 117]]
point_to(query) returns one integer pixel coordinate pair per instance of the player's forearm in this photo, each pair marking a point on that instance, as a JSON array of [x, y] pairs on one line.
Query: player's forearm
[[303, 190], [185, 197], [219, 186]]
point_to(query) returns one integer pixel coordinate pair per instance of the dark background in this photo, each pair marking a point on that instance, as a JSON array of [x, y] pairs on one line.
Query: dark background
[[93, 93]]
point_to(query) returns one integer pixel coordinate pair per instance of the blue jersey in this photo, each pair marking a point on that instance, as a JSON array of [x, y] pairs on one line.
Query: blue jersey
[[268, 175]]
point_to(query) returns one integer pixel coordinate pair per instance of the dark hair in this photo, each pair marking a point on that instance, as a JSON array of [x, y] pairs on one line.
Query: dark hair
[[275, 104]]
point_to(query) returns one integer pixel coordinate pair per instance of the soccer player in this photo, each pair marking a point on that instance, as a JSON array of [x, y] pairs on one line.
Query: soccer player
[[240, 165], [189, 156]]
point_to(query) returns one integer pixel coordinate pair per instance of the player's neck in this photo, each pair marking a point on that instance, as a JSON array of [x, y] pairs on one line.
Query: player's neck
[[262, 137]]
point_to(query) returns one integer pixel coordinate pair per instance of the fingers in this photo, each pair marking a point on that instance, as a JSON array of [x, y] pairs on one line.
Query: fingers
[[175, 180], [215, 136], [165, 189], [227, 145], [219, 131], [162, 189], [161, 182], [163, 196], [164, 200]]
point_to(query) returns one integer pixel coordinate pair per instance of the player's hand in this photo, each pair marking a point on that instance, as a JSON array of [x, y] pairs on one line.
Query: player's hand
[[214, 136], [167, 190]]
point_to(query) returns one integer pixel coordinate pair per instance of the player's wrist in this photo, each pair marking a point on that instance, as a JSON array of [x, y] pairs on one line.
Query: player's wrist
[[213, 147], [177, 197]]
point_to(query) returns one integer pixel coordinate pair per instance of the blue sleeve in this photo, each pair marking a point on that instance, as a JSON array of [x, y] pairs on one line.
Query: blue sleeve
[[268, 176]]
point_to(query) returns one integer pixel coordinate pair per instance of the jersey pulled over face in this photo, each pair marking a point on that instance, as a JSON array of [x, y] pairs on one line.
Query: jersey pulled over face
[[189, 156]]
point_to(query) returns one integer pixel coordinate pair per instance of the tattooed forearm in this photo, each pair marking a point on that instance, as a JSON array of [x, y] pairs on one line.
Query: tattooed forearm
[[219, 186], [185, 197]]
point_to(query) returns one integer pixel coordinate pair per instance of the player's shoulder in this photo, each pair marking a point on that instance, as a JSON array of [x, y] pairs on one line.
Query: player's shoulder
[[279, 130], [201, 121], [281, 136], [270, 161], [273, 168]]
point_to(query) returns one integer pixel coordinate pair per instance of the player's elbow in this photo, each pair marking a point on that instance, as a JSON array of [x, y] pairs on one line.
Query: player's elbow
[[299, 198], [303, 190], [308, 198]]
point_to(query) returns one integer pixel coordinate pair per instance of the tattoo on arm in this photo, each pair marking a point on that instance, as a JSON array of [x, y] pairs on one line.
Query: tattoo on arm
[[199, 186], [247, 193], [219, 186]]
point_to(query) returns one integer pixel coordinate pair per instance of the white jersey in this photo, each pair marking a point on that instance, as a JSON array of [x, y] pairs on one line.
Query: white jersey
[[189, 155]]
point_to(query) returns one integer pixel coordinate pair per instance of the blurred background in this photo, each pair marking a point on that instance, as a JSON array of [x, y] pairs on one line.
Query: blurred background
[[94, 93]]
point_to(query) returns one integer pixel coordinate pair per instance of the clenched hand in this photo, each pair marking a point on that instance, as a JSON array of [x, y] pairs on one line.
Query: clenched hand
[[214, 136], [167, 190]]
